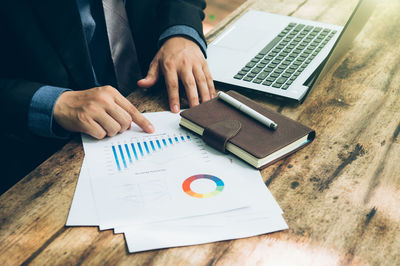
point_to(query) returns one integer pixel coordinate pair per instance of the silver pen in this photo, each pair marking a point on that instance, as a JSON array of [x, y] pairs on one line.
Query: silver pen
[[247, 110]]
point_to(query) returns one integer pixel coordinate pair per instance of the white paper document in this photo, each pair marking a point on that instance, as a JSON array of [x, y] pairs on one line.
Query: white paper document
[[82, 211], [175, 235], [169, 189]]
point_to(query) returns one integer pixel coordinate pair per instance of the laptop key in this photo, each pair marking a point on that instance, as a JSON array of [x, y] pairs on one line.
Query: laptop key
[[257, 81], [250, 64], [281, 80], [251, 75], [238, 76], [285, 87], [247, 69], [256, 70], [317, 29], [270, 45], [267, 83], [289, 71], [274, 75], [276, 85], [296, 63], [262, 75], [242, 72], [247, 78], [297, 74], [268, 69], [299, 27], [308, 28]]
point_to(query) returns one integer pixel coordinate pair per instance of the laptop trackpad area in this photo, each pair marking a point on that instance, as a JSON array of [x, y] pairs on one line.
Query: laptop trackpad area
[[242, 39]]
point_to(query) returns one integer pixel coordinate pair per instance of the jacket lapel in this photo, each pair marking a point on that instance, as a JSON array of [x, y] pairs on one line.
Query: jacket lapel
[[61, 21]]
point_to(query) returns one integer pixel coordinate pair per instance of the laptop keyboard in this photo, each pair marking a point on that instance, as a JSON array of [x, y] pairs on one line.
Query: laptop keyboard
[[280, 62]]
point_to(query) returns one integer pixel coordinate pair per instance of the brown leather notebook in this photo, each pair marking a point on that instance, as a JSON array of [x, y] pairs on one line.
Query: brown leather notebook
[[228, 129]]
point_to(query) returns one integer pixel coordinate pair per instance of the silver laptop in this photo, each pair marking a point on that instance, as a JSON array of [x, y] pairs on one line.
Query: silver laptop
[[278, 55]]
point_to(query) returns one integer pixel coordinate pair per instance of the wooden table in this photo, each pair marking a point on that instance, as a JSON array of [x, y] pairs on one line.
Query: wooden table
[[341, 194]]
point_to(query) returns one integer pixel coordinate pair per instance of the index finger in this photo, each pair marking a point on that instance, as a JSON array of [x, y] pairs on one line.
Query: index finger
[[137, 117], [171, 82]]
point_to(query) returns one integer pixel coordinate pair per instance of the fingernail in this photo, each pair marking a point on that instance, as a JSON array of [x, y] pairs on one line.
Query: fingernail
[[150, 128], [175, 108]]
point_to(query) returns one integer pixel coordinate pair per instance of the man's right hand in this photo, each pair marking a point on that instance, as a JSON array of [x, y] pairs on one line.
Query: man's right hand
[[99, 112]]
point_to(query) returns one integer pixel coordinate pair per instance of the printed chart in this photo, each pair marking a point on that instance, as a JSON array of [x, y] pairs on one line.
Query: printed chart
[[127, 154], [186, 186]]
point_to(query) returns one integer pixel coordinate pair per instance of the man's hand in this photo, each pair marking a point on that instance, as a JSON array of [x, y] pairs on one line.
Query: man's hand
[[180, 58], [98, 112]]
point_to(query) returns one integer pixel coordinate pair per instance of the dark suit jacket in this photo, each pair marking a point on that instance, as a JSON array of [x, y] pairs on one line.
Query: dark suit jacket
[[42, 43]]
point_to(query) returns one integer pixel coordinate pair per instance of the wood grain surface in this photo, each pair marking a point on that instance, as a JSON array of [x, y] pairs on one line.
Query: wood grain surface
[[340, 195]]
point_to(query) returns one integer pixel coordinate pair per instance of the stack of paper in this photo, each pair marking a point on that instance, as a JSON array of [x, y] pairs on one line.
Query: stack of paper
[[169, 189]]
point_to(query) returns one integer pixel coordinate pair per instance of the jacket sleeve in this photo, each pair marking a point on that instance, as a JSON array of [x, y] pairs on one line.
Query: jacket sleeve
[[181, 12]]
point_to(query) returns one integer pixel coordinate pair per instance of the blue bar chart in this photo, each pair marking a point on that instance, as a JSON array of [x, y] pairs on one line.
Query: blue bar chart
[[126, 155]]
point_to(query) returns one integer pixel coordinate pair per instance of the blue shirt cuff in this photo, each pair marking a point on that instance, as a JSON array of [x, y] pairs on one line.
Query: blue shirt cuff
[[183, 30], [40, 115]]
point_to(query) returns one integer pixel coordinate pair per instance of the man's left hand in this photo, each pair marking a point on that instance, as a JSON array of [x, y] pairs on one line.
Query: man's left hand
[[181, 59]]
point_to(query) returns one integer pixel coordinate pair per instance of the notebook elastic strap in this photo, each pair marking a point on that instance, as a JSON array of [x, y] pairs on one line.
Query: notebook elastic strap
[[218, 134]]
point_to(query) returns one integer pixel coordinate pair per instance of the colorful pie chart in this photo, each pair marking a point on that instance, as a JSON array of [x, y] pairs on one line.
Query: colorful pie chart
[[188, 190]]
